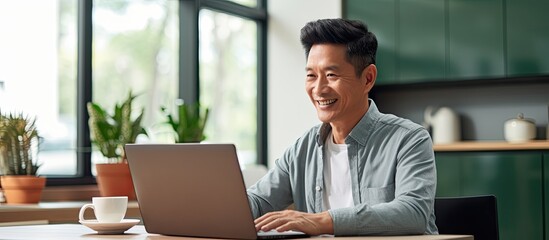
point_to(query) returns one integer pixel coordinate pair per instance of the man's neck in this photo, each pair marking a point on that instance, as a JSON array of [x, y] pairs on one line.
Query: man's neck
[[340, 130], [339, 133]]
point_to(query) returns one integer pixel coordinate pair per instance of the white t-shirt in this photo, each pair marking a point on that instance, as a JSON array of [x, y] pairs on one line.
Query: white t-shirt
[[338, 190]]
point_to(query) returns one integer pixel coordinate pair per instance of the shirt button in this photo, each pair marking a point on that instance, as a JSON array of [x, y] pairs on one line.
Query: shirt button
[[318, 188]]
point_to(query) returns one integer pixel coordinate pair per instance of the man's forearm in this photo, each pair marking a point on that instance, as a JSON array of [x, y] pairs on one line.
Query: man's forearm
[[325, 221]]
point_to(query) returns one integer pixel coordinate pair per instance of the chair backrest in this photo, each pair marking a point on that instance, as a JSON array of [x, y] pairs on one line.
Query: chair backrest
[[471, 215]]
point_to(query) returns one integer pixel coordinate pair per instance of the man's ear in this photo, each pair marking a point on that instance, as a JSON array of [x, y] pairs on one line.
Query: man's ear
[[368, 76]]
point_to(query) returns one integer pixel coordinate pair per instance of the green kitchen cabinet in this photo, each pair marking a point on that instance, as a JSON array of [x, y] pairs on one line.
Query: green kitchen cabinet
[[452, 40], [527, 37], [448, 176], [546, 192], [379, 16], [421, 41], [515, 178], [411, 43], [475, 39]]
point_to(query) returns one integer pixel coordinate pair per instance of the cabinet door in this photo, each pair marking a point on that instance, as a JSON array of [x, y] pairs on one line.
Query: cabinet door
[[421, 42], [448, 175], [380, 17], [527, 37], [475, 39], [516, 180], [546, 191]]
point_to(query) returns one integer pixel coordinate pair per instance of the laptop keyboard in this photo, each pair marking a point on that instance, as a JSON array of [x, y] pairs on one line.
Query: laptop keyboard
[[273, 234]]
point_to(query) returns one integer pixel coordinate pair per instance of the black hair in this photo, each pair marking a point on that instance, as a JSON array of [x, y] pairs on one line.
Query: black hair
[[361, 44]]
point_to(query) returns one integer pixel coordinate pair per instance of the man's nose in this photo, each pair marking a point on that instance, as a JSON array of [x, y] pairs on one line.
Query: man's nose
[[321, 84]]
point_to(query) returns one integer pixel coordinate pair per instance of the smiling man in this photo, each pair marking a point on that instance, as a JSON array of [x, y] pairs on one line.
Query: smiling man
[[360, 172]]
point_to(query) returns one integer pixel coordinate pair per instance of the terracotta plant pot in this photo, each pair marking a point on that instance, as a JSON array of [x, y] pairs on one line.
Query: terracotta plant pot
[[114, 179], [23, 189]]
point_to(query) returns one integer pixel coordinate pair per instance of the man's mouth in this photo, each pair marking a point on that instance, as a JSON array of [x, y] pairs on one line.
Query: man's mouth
[[326, 102]]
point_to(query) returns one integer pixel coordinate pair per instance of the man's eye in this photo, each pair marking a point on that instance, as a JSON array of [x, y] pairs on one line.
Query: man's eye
[[310, 75], [330, 75]]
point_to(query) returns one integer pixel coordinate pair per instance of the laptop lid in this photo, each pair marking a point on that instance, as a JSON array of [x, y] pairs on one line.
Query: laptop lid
[[191, 190]]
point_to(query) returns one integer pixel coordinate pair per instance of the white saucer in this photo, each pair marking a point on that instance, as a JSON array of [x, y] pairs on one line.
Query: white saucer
[[110, 228]]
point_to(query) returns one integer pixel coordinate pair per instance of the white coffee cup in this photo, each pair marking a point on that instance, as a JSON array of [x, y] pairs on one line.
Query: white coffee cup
[[106, 209]]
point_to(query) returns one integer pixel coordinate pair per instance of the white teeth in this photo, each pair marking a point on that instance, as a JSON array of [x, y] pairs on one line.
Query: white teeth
[[326, 102]]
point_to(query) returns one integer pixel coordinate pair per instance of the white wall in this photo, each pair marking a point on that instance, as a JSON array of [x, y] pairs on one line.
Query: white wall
[[290, 113]]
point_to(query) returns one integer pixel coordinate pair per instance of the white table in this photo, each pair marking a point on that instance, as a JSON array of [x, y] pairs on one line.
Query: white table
[[77, 231]]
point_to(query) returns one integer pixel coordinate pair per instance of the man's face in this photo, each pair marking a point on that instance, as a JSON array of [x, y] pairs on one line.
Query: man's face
[[338, 94]]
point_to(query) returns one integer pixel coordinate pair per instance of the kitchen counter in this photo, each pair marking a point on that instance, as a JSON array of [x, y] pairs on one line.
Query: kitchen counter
[[491, 146]]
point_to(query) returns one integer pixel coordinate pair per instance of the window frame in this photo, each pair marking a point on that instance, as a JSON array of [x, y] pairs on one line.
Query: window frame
[[188, 73]]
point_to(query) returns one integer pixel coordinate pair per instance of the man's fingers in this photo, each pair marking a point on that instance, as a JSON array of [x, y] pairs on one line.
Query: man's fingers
[[313, 224], [265, 216], [273, 220], [265, 222], [287, 227], [273, 224]]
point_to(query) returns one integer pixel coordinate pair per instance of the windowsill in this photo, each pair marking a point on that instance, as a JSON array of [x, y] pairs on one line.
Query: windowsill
[[54, 212], [67, 193], [70, 193], [58, 205]]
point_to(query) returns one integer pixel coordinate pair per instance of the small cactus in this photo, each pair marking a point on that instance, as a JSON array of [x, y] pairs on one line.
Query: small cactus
[[18, 137]]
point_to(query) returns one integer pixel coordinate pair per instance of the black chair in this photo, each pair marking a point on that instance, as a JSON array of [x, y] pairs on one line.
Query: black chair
[[472, 215]]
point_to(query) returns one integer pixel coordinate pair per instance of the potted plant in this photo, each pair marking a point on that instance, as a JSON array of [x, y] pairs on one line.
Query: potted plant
[[18, 150], [109, 133], [188, 123]]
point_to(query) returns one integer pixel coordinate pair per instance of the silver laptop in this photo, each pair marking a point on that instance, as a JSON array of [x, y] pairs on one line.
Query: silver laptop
[[193, 190]]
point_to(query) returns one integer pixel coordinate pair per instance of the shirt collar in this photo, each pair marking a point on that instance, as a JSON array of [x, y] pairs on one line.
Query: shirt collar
[[360, 132]]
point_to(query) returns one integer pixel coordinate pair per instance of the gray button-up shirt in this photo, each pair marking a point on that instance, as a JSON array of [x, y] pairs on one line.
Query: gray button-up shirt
[[393, 177]]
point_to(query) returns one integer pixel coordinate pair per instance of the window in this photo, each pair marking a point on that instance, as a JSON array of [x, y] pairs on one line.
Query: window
[[228, 80], [249, 3], [38, 72], [135, 46], [56, 55]]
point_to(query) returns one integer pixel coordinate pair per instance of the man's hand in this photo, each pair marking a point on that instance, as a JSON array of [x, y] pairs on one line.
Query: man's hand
[[309, 223]]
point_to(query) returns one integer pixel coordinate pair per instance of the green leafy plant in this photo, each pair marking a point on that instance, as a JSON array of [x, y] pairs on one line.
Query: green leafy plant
[[18, 137], [111, 132], [188, 122]]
